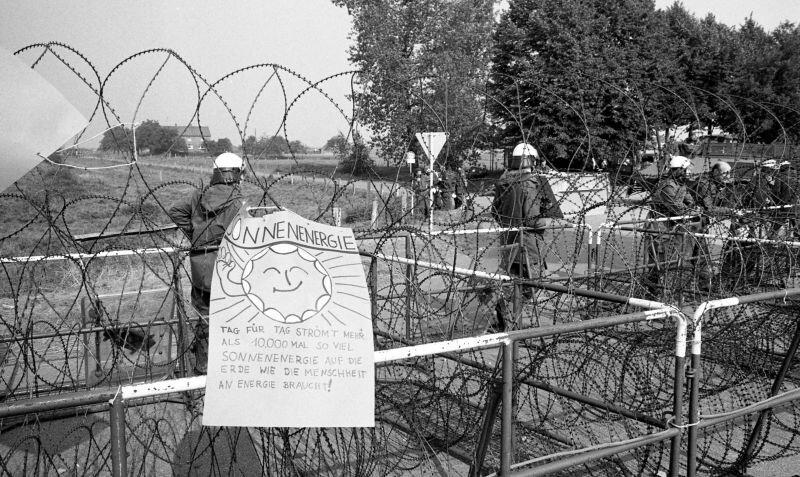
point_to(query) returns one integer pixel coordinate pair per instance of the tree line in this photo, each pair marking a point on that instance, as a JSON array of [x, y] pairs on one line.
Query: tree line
[[152, 138], [579, 79]]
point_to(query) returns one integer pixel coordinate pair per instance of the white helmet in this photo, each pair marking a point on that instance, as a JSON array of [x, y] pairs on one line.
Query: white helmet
[[523, 157], [228, 169], [680, 162], [525, 149], [228, 160]]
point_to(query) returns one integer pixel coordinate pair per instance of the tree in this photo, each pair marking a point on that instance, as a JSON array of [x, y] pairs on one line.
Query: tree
[[297, 147], [224, 145], [218, 147], [118, 138], [354, 157], [786, 83], [150, 135], [567, 77], [337, 143], [752, 89], [423, 66]]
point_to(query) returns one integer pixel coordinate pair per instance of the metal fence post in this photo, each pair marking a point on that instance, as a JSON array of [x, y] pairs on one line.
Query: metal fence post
[[677, 410], [181, 313], [373, 285], [507, 422], [85, 338], [408, 283], [747, 454], [119, 453], [694, 412], [94, 312], [591, 258]]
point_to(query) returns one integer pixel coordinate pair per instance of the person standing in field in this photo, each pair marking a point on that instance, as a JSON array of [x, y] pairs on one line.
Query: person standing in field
[[203, 217]]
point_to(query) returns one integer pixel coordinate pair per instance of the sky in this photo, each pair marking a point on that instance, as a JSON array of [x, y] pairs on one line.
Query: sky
[[308, 37]]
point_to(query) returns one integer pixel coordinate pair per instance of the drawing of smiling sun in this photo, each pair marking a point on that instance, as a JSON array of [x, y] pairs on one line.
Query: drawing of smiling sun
[[287, 283]]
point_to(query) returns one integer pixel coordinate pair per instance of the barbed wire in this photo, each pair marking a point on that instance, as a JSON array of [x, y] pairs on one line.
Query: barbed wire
[[78, 313]]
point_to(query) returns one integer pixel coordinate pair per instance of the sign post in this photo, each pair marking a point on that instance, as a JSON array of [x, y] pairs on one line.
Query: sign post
[[432, 143]]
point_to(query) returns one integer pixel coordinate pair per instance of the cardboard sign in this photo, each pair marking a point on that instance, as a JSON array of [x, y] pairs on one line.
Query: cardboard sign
[[35, 119], [432, 143], [290, 328]]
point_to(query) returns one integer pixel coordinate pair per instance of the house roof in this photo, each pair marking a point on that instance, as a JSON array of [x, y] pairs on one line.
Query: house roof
[[191, 131]]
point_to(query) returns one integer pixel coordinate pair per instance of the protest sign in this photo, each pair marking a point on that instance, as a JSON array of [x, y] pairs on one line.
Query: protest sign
[[290, 328]]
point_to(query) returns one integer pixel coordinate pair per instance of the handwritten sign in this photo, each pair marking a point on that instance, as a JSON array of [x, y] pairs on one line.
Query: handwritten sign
[[290, 328]]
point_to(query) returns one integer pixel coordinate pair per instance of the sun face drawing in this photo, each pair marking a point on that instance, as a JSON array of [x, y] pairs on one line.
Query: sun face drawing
[[286, 275], [287, 283]]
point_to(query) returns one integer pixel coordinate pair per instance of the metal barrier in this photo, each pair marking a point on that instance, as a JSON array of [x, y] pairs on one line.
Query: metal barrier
[[124, 395], [695, 422], [507, 342]]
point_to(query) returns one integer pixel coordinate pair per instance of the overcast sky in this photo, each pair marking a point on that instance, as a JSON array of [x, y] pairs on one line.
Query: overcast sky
[[309, 37]]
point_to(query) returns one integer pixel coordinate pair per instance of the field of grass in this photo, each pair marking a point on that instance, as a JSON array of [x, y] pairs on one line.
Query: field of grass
[[53, 203]]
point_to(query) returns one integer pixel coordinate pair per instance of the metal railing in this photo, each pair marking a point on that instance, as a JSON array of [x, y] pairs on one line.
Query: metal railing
[[123, 396]]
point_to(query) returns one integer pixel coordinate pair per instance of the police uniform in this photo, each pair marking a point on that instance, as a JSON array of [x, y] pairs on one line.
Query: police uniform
[[712, 197], [203, 217], [669, 199], [523, 199]]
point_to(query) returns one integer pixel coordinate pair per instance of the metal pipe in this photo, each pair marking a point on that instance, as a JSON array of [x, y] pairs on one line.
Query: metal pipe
[[597, 454], [98, 368], [55, 402], [494, 230], [493, 398], [507, 422], [715, 420], [85, 337], [182, 319], [677, 414], [536, 284], [119, 452], [747, 455], [581, 398], [123, 233], [86, 331], [373, 286], [785, 243], [694, 396], [409, 277], [82, 398]]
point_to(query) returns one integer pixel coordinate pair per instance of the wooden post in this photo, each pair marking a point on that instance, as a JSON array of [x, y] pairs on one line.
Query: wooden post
[[403, 206], [374, 218], [337, 216]]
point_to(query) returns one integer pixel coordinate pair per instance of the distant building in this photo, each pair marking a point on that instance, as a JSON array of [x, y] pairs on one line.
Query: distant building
[[194, 137]]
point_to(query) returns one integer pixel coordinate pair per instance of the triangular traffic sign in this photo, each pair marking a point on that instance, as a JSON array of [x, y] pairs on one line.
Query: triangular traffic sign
[[432, 143]]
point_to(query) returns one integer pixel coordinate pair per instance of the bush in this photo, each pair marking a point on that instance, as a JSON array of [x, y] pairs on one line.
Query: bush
[[354, 158]]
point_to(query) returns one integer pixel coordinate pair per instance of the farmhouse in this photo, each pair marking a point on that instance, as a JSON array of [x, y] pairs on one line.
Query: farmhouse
[[194, 137]]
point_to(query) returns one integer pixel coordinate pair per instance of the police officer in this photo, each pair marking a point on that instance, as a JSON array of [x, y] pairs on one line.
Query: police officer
[[711, 194], [787, 192], [711, 191], [523, 199], [203, 217], [671, 198]]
